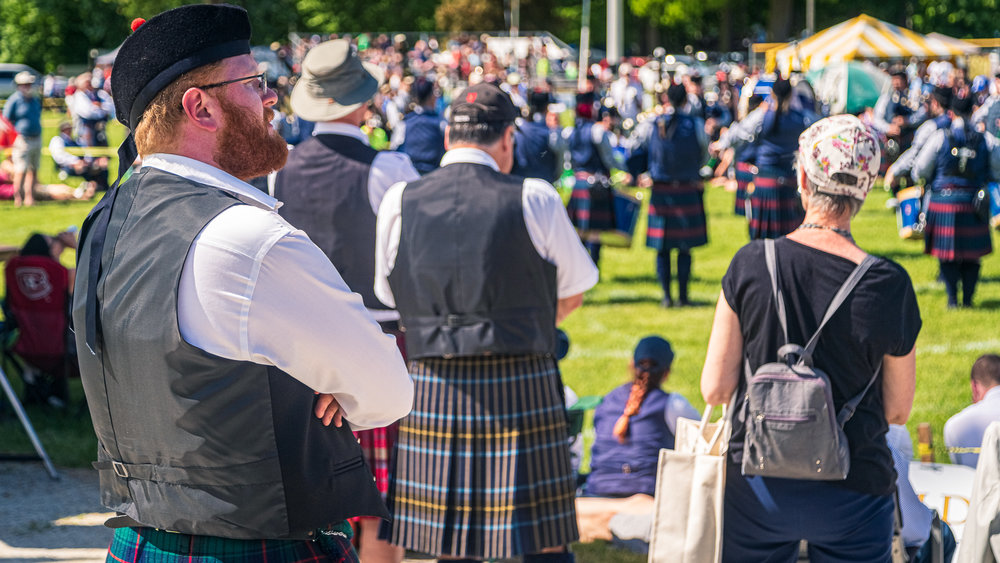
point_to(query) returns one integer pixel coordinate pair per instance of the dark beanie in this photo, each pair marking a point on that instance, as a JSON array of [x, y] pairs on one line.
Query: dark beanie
[[170, 44], [677, 94]]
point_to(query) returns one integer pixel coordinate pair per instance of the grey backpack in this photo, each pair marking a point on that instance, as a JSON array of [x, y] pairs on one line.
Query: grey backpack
[[792, 430]]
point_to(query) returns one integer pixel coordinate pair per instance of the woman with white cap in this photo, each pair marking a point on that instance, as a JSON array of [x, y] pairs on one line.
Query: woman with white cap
[[877, 324]]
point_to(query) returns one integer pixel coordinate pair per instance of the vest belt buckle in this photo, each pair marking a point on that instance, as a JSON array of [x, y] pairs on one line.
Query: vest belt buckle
[[120, 469]]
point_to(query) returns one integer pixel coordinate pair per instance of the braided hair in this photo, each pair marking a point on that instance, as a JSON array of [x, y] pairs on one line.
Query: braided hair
[[648, 376]]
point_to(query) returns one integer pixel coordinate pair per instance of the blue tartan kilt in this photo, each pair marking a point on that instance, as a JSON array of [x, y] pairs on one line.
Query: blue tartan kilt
[[953, 233], [743, 177], [775, 205], [148, 545], [482, 464], [591, 205], [676, 216]]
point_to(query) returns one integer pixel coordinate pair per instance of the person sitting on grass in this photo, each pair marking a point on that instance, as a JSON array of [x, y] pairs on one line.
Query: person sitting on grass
[[94, 171], [632, 424], [43, 192]]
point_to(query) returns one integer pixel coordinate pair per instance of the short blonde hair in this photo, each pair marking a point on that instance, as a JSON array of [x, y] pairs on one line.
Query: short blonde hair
[[157, 128]]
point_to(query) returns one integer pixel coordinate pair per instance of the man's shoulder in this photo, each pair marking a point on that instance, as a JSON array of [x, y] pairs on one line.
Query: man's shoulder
[[970, 415]]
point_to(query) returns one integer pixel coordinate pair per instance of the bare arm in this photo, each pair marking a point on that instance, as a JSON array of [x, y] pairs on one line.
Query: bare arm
[[566, 306], [898, 385], [721, 373]]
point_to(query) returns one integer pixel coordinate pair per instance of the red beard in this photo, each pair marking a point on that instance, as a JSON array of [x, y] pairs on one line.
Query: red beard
[[247, 145]]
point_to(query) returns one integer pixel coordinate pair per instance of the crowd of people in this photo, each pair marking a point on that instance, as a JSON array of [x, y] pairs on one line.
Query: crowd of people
[[359, 317]]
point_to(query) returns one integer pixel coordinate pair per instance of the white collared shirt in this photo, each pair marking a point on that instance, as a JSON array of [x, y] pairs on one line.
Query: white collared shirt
[[254, 288], [548, 226], [388, 168], [965, 430]]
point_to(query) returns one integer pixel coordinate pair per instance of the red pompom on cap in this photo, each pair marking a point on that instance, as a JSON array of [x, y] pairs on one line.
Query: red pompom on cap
[[137, 22]]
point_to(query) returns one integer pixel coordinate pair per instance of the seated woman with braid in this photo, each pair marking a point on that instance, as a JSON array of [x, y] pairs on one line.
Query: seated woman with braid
[[633, 423]]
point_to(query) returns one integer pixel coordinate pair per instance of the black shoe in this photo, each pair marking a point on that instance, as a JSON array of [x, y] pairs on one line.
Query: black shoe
[[666, 303], [683, 303]]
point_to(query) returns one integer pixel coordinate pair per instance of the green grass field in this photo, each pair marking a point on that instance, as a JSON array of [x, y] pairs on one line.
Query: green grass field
[[624, 307]]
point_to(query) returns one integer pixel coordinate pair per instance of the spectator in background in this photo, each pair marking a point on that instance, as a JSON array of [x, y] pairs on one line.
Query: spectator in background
[[94, 171], [626, 92], [420, 134], [963, 433], [24, 110], [987, 117], [634, 422], [91, 109]]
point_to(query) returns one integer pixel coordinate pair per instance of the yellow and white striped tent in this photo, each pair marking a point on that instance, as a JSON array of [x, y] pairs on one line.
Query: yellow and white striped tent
[[863, 37]]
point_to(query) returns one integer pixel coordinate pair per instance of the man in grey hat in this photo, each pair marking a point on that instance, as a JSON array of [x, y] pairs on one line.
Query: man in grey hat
[[24, 110], [331, 189], [221, 353], [482, 266]]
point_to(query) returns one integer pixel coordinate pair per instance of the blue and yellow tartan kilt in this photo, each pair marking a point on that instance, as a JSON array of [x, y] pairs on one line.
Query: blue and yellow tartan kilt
[[953, 233], [676, 216], [743, 174], [775, 205], [149, 545], [591, 205], [483, 465]]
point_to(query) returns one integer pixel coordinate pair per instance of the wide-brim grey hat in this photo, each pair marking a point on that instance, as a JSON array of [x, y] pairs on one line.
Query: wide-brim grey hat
[[334, 82]]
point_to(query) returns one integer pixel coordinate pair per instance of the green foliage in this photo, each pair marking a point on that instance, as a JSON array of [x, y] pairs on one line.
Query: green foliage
[[373, 15], [47, 33], [958, 18], [458, 15]]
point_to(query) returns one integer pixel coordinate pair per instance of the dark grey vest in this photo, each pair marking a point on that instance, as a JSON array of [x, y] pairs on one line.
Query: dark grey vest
[[467, 279], [324, 188], [188, 441]]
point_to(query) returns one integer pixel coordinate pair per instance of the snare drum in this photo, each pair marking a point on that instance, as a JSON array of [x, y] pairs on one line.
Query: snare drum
[[993, 189], [908, 213]]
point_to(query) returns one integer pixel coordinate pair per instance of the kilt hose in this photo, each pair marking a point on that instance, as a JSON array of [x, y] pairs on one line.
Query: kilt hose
[[676, 216], [591, 205], [953, 233], [148, 545], [775, 206], [743, 175], [482, 465]]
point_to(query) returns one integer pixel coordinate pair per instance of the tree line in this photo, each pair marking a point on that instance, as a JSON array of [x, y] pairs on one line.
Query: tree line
[[49, 33]]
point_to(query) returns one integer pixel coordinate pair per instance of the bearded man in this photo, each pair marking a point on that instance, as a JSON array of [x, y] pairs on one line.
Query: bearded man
[[221, 353]]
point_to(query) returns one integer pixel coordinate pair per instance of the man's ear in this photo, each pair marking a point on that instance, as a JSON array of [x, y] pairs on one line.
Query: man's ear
[[447, 137], [201, 110]]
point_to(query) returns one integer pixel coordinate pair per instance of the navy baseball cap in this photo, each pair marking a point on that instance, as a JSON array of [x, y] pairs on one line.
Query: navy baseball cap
[[655, 350]]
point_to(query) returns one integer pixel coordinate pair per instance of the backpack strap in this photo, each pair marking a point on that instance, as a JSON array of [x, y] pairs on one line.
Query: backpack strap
[[771, 260], [849, 284], [847, 411]]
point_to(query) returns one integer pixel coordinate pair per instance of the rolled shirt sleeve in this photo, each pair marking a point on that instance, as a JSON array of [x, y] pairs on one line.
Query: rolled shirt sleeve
[[255, 289]]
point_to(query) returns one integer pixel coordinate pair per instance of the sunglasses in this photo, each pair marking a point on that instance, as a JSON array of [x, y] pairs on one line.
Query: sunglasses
[[260, 78]]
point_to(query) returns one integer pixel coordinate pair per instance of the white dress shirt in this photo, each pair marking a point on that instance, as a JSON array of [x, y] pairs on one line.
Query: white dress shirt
[[80, 105], [547, 223], [917, 517], [388, 168], [964, 431], [254, 288]]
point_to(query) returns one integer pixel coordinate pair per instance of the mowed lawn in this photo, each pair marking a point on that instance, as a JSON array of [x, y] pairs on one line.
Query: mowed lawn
[[624, 307]]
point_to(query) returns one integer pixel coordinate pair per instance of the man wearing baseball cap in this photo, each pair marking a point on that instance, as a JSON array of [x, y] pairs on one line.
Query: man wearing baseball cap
[[331, 189], [481, 266], [220, 351]]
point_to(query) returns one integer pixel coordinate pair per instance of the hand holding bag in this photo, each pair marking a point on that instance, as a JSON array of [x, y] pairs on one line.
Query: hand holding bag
[[690, 483]]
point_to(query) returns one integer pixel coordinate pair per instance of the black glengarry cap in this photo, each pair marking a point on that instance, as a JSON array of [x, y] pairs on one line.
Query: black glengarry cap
[[483, 103], [170, 44]]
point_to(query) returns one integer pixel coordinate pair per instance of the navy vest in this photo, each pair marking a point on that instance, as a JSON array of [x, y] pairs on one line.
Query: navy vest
[[630, 468], [188, 441], [963, 160], [676, 155], [324, 188], [582, 152], [467, 280], [424, 140], [533, 158], [776, 145]]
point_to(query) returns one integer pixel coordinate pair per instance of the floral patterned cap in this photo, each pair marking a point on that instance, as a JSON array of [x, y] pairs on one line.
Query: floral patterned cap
[[840, 156]]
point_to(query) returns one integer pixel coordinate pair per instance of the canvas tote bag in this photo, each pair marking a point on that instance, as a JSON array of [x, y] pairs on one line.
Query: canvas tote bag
[[690, 483]]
